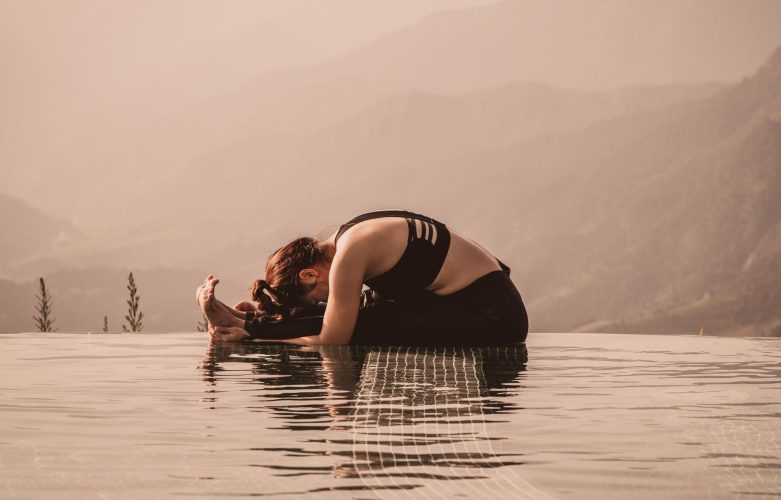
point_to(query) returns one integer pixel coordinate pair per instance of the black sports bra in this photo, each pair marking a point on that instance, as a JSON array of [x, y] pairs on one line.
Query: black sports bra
[[427, 246]]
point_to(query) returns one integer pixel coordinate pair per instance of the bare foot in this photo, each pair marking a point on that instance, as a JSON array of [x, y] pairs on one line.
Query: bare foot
[[218, 314], [239, 310], [200, 288]]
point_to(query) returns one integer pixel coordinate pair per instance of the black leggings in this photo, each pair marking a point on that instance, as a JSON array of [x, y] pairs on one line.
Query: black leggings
[[489, 311]]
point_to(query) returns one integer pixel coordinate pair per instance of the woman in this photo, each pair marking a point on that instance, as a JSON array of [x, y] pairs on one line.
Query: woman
[[429, 286]]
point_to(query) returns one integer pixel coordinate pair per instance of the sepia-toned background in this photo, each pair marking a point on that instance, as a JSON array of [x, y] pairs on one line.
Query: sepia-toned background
[[622, 156]]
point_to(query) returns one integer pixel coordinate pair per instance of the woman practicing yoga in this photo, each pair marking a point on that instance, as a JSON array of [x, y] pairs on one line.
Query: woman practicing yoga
[[427, 285]]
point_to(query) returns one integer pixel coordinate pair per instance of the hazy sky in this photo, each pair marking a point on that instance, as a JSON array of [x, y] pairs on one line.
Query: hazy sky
[[56, 53], [69, 64]]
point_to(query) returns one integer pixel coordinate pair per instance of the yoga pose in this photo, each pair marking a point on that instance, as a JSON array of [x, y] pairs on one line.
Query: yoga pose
[[427, 285]]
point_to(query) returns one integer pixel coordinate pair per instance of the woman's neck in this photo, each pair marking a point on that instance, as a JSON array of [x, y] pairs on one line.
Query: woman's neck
[[329, 249]]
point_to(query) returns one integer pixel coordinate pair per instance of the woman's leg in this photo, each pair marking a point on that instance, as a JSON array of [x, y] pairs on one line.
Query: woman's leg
[[399, 323], [488, 312], [305, 322]]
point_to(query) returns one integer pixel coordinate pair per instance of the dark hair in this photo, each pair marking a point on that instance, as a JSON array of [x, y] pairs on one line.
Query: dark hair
[[280, 293]]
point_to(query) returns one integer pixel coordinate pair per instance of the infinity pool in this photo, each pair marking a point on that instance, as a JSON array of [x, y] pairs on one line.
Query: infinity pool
[[583, 416]]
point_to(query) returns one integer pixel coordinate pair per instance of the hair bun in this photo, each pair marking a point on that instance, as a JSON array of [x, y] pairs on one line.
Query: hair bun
[[266, 303], [257, 289]]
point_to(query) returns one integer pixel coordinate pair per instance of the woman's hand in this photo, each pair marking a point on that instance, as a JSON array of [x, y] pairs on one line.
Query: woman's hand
[[245, 306], [228, 334]]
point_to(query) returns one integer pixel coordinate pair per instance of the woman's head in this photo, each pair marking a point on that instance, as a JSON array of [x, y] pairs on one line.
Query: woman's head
[[296, 274]]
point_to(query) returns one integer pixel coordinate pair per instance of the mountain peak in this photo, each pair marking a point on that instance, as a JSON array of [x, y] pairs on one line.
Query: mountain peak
[[760, 90], [773, 63]]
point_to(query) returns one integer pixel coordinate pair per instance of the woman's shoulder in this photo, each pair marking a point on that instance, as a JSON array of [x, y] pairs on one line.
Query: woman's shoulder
[[374, 246], [371, 232]]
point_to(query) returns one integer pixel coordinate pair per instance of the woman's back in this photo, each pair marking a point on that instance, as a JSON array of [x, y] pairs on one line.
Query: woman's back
[[409, 252]]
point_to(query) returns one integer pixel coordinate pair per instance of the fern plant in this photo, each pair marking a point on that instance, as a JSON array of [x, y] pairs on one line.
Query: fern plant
[[44, 321], [203, 325], [134, 315]]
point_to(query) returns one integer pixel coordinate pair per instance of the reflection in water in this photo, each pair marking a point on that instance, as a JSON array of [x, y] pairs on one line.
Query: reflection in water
[[392, 418], [595, 416]]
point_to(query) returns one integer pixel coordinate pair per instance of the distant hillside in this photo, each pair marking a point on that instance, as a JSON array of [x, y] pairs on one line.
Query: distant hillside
[[173, 202], [562, 43], [664, 221], [569, 43], [257, 179], [415, 128], [28, 233]]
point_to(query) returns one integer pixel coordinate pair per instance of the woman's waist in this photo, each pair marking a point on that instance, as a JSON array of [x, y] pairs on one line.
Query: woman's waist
[[494, 286]]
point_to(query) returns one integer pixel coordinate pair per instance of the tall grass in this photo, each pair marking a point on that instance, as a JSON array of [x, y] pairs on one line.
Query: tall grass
[[44, 321], [134, 315]]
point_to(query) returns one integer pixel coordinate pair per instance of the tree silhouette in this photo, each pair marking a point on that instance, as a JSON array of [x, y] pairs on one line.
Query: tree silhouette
[[203, 325], [44, 321], [133, 316]]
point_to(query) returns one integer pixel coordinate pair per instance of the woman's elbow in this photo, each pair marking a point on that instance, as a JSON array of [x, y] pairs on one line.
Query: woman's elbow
[[337, 337]]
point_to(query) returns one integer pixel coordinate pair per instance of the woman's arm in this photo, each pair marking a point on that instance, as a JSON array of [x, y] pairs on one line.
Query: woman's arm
[[344, 295], [345, 281], [341, 312]]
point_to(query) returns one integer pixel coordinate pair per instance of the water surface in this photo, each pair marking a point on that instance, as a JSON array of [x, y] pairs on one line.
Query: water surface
[[584, 416]]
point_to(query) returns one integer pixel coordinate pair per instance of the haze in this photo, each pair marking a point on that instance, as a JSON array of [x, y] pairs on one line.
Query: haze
[[624, 158]]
